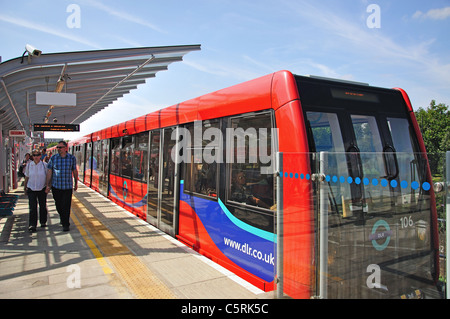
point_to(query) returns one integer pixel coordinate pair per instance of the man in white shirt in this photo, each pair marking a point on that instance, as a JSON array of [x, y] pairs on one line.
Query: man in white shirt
[[34, 187]]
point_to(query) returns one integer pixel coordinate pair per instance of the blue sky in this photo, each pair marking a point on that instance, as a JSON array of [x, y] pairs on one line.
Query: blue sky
[[245, 39]]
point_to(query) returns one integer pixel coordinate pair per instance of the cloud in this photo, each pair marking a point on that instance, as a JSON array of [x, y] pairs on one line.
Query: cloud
[[369, 43], [433, 14], [224, 69], [259, 64], [49, 30], [124, 16], [326, 70], [338, 32]]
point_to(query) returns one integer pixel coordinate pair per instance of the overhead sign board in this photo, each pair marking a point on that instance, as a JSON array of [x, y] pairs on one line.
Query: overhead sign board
[[17, 133], [48, 127], [56, 99]]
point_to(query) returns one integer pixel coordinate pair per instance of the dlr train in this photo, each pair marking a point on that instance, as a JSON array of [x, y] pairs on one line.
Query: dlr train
[[321, 187]]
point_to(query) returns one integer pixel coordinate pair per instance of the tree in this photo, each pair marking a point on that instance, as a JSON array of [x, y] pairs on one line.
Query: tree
[[434, 123]]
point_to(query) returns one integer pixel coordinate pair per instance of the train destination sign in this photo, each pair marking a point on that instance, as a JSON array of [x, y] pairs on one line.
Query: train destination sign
[[51, 127]]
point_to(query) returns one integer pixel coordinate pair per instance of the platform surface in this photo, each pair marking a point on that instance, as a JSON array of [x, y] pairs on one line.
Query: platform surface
[[107, 254]]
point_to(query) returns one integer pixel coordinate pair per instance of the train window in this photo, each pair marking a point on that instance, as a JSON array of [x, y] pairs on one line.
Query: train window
[[248, 182], [126, 156], [88, 157], [115, 156], [402, 134], [140, 156], [325, 132], [104, 159], [411, 166], [96, 162], [80, 163], [200, 171], [327, 137]]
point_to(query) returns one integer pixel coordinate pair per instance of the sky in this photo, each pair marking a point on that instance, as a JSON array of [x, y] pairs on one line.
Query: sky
[[386, 43]]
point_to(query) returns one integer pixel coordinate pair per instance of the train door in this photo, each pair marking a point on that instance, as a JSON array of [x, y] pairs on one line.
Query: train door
[[103, 166], [161, 210], [88, 165], [95, 167]]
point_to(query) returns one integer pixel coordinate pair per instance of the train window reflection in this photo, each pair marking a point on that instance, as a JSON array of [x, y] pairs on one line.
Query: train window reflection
[[115, 156], [247, 183], [126, 156], [140, 157], [327, 137], [200, 174]]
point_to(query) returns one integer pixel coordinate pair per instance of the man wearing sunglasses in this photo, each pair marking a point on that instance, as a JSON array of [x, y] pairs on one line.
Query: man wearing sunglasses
[[62, 167]]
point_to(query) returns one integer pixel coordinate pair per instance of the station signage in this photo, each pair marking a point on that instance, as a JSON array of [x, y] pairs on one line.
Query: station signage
[[55, 98], [17, 133], [50, 127]]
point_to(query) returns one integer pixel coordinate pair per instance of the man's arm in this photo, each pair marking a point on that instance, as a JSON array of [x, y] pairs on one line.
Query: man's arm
[[75, 179], [25, 185]]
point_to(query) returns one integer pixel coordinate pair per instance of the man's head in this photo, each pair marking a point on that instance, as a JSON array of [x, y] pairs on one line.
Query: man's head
[[62, 148]]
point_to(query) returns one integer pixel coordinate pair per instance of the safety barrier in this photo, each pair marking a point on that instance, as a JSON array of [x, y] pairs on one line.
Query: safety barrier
[[362, 225]]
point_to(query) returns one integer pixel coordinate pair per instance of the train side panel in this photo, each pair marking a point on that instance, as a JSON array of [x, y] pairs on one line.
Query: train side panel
[[298, 210]]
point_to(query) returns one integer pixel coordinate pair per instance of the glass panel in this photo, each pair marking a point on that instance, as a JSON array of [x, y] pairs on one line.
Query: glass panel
[[140, 158], [96, 163], [153, 174], [389, 255], [115, 156], [248, 149], [79, 154], [88, 168], [373, 163], [200, 175], [327, 137], [126, 156], [411, 166], [104, 159], [168, 177]]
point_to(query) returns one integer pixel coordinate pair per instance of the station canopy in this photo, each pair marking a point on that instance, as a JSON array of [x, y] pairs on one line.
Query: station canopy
[[98, 78]]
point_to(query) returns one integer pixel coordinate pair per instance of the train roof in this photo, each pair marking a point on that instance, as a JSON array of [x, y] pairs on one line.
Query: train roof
[[269, 91]]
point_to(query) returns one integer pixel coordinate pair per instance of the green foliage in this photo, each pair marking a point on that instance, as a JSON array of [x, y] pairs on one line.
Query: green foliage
[[52, 144], [434, 123]]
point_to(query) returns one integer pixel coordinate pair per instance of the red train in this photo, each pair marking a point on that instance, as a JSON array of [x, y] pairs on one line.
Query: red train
[[354, 216]]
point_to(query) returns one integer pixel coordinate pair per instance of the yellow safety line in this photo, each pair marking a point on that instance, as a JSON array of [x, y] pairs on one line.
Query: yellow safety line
[[142, 282], [98, 255]]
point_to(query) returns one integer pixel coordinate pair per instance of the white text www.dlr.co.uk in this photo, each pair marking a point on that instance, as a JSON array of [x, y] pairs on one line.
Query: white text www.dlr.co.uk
[[246, 249]]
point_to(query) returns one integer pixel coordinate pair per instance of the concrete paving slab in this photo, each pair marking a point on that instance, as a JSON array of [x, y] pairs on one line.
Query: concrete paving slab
[[105, 255]]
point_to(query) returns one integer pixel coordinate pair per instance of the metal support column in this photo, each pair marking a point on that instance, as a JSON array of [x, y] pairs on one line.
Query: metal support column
[[280, 233], [2, 160], [447, 218], [323, 228]]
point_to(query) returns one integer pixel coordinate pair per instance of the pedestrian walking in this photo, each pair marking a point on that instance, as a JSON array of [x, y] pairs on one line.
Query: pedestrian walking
[[34, 187], [23, 165], [43, 154], [62, 179]]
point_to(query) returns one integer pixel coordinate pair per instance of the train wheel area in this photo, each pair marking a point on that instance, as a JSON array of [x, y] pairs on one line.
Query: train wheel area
[[107, 254]]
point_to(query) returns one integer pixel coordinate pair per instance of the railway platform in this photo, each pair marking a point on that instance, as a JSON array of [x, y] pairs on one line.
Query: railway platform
[[107, 254]]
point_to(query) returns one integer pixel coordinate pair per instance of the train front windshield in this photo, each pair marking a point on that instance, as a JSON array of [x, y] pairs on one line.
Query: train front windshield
[[379, 233]]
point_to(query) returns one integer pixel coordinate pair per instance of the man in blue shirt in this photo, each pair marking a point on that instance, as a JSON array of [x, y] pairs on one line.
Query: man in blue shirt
[[61, 167]]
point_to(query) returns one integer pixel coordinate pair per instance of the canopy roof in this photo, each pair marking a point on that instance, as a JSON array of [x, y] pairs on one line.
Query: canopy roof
[[98, 78]]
